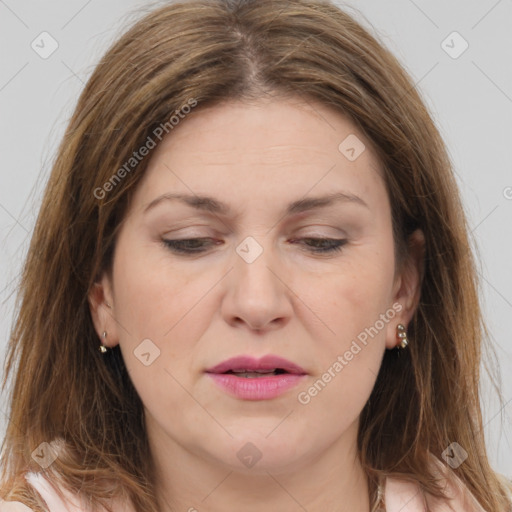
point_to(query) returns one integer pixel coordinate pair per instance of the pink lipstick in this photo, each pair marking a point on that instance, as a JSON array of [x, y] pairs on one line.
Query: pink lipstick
[[248, 378]]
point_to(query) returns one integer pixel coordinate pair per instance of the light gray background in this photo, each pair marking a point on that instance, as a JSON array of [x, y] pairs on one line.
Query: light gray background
[[470, 98]]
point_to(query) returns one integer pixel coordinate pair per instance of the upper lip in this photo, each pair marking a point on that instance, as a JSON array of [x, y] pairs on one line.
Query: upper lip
[[269, 362]]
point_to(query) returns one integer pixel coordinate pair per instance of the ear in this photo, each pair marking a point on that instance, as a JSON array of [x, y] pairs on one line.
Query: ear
[[407, 286], [101, 305]]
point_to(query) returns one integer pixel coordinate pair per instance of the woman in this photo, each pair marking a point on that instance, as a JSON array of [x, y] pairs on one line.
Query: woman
[[254, 218]]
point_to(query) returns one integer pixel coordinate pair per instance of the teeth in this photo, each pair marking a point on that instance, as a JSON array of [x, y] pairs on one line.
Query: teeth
[[254, 375], [253, 371]]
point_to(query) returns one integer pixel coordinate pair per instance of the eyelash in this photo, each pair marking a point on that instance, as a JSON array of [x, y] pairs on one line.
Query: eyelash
[[334, 245]]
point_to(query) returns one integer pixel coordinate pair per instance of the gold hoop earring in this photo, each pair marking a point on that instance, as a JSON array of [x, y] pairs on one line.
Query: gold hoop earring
[[402, 336], [103, 348]]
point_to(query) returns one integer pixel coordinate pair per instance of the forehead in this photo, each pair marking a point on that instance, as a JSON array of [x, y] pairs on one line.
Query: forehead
[[267, 150], [263, 129]]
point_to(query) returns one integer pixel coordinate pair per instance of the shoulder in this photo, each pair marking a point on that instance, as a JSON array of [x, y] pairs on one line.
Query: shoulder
[[13, 506], [406, 496], [52, 499], [54, 495], [58, 499]]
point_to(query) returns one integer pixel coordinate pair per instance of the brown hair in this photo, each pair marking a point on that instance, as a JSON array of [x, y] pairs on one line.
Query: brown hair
[[210, 51]]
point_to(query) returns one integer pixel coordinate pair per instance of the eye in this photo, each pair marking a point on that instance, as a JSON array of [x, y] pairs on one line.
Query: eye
[[187, 246], [324, 245], [199, 245]]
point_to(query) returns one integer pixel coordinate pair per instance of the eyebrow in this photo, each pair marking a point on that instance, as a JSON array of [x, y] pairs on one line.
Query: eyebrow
[[212, 205]]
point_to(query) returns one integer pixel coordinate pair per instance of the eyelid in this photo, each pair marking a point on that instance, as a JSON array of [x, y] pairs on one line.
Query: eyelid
[[328, 246], [312, 225], [193, 232], [199, 228], [321, 231]]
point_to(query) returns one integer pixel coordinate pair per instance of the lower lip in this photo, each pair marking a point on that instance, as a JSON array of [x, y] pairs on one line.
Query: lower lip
[[258, 388]]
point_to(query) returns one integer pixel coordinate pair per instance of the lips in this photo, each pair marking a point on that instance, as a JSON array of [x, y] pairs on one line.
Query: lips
[[249, 367], [247, 378]]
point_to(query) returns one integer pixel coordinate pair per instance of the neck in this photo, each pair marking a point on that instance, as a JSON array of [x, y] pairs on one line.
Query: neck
[[332, 481]]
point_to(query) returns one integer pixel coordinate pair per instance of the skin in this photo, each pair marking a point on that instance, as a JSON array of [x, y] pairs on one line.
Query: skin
[[202, 309]]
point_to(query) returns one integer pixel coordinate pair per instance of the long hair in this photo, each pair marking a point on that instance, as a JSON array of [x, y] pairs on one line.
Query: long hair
[[208, 51]]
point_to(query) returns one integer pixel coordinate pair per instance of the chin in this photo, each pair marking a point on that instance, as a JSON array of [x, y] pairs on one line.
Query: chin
[[264, 451]]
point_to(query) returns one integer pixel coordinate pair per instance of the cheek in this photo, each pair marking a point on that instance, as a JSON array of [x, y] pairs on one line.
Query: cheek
[[154, 297], [154, 309], [158, 302], [354, 297], [342, 392], [357, 311]]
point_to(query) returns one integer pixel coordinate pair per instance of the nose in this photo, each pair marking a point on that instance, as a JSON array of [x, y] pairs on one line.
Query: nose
[[257, 295]]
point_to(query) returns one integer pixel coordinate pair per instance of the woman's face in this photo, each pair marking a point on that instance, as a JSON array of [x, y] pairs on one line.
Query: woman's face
[[255, 285]]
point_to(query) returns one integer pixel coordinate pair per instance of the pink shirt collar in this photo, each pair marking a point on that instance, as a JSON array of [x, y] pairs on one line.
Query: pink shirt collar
[[399, 496]]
